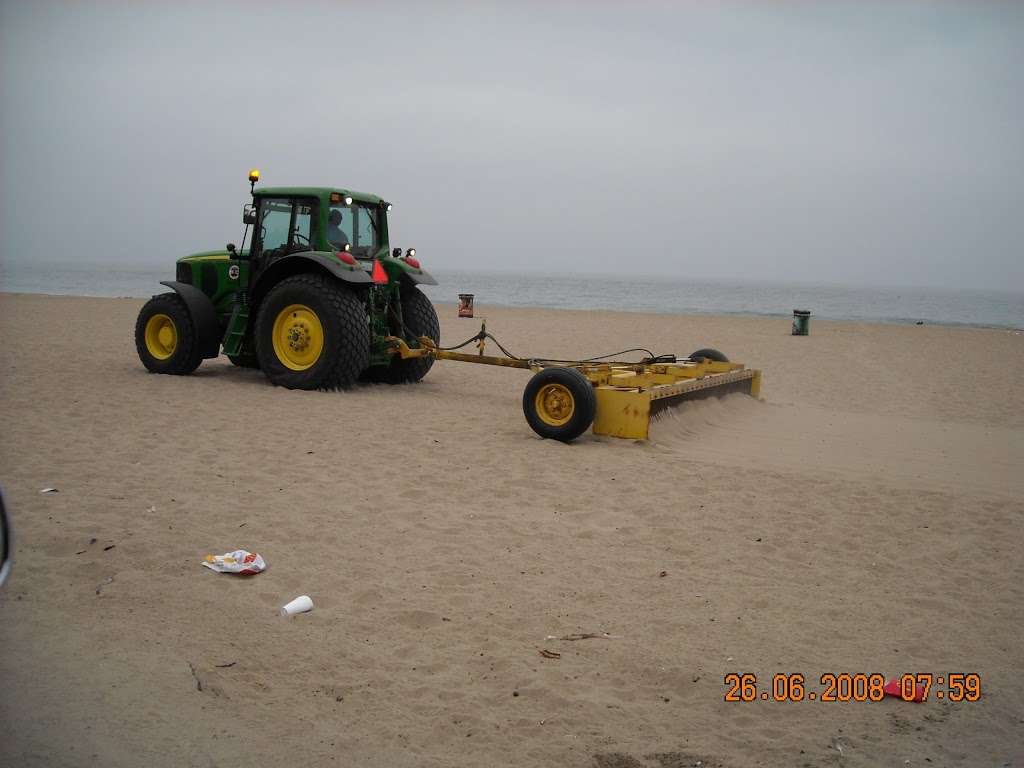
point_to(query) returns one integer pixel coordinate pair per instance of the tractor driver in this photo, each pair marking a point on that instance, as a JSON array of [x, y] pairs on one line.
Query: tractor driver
[[335, 234]]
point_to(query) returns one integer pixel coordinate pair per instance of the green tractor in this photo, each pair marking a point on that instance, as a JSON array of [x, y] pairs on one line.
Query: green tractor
[[310, 303]]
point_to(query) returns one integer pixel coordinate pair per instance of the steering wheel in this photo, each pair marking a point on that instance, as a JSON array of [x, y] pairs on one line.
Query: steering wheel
[[297, 235]]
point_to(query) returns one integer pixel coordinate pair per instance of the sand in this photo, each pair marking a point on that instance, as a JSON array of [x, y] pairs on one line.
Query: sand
[[865, 516]]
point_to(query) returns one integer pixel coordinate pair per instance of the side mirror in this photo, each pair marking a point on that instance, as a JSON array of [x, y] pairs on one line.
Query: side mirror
[[249, 214], [396, 253], [231, 250], [5, 542]]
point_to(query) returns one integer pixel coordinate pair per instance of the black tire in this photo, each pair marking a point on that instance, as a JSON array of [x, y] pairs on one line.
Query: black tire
[[420, 319], [559, 384], [344, 325], [245, 360], [710, 354], [171, 345]]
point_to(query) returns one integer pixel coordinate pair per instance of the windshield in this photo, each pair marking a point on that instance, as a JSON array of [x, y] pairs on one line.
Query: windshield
[[355, 225]]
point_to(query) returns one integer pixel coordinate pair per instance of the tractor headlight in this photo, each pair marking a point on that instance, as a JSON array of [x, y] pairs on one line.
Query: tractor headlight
[[387, 207], [410, 252], [348, 199], [348, 247]]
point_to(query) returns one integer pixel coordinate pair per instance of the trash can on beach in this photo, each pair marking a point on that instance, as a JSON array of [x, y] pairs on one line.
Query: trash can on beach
[[801, 322]]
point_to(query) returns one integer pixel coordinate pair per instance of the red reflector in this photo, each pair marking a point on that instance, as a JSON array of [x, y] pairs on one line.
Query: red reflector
[[412, 262], [348, 258], [379, 275]]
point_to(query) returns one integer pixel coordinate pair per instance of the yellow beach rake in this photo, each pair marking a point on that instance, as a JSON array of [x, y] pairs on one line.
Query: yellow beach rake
[[564, 398]]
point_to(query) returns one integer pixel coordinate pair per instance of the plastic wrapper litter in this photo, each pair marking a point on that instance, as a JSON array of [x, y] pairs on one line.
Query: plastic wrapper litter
[[241, 562]]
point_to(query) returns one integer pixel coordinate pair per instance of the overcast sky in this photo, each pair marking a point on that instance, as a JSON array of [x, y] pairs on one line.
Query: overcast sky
[[846, 142]]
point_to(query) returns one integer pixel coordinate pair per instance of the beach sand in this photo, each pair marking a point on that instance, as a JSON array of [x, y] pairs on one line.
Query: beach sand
[[864, 517]]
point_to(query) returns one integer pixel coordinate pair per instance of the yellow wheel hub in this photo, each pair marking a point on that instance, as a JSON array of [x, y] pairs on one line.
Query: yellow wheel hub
[[554, 404], [161, 336], [298, 337]]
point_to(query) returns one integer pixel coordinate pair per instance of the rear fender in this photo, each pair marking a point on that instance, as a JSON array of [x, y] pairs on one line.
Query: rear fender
[[308, 261], [204, 316], [413, 274]]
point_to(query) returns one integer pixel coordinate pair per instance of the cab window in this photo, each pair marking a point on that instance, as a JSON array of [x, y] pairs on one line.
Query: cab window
[[285, 225], [303, 225], [339, 226], [366, 227], [355, 226]]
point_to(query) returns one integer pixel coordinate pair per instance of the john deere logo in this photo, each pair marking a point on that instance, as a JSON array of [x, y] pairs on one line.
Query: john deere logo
[[233, 271]]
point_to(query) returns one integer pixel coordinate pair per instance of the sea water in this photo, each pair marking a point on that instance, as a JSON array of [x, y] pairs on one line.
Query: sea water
[[639, 294]]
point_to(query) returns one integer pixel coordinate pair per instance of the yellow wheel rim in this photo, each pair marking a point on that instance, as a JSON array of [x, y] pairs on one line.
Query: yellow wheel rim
[[298, 337], [161, 336], [554, 404]]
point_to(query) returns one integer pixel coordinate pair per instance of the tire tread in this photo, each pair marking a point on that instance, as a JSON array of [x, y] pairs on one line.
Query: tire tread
[[345, 361], [186, 357], [420, 318], [583, 392]]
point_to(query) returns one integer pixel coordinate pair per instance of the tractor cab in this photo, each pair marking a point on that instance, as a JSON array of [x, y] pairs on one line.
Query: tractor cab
[[291, 220]]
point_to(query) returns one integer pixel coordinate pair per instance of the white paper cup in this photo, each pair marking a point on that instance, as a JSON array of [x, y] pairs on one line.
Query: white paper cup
[[300, 604]]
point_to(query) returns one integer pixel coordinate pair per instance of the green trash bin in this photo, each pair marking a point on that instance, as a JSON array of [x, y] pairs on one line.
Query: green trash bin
[[801, 322]]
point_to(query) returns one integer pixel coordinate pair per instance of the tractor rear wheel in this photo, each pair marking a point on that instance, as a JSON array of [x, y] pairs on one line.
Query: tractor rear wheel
[[559, 403], [420, 319], [312, 333], [709, 354], [165, 336]]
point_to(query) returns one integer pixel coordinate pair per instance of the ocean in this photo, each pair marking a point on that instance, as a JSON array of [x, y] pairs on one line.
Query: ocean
[[639, 294]]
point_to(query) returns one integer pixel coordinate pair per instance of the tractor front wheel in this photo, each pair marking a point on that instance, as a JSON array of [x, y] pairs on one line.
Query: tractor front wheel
[[165, 336], [312, 333], [559, 403]]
